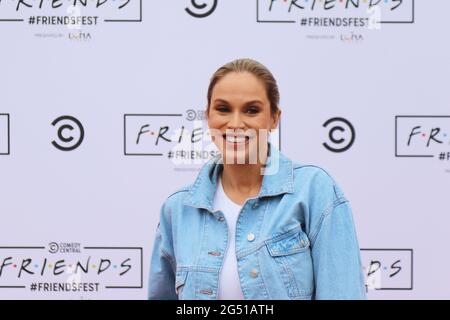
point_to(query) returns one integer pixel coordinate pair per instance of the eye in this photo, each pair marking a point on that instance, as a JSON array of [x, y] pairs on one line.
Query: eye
[[252, 110], [222, 108]]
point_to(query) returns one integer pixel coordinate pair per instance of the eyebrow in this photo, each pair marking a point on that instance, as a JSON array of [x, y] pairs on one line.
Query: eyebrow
[[247, 103]]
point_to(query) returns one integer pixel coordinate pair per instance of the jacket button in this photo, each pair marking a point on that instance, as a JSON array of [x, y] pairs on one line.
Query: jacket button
[[221, 218], [254, 273], [250, 237], [255, 205], [214, 253]]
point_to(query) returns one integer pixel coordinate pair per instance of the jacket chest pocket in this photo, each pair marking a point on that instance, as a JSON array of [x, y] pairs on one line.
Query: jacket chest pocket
[[292, 255]]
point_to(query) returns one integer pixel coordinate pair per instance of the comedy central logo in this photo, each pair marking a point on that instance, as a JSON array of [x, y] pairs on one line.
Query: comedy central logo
[[70, 267], [201, 9], [4, 134], [64, 247], [341, 134], [423, 136], [335, 13], [69, 132]]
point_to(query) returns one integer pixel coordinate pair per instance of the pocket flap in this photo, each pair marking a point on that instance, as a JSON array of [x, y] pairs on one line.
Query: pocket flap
[[289, 243]]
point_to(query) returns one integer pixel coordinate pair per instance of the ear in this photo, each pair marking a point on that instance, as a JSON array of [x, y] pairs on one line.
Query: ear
[[206, 113], [276, 119]]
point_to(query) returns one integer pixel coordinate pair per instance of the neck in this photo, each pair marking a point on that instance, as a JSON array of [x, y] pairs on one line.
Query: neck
[[244, 179]]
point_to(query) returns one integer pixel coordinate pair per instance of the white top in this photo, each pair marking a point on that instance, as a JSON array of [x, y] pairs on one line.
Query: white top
[[229, 284]]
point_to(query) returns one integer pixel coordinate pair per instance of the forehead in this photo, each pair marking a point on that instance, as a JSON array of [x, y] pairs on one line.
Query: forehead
[[239, 86]]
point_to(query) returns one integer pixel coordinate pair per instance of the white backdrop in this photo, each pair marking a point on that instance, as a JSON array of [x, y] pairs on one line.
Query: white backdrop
[[146, 66]]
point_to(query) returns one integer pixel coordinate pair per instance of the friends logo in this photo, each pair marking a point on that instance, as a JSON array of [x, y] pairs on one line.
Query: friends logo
[[57, 15], [335, 13], [69, 267], [418, 136], [179, 138], [388, 269]]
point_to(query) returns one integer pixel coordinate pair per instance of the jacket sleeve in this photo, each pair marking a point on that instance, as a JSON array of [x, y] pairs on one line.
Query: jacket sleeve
[[336, 254], [162, 266]]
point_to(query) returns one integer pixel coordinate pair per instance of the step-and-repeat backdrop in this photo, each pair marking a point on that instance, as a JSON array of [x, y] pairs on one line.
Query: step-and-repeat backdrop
[[101, 118]]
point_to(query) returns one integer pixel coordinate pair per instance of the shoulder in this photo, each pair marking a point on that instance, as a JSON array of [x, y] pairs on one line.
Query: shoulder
[[317, 190], [318, 182], [171, 204], [178, 195]]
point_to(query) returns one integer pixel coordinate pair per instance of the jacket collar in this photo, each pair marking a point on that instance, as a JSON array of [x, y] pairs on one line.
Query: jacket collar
[[278, 179]]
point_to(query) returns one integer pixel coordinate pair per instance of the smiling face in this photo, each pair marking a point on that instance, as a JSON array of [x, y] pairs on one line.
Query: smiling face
[[240, 117]]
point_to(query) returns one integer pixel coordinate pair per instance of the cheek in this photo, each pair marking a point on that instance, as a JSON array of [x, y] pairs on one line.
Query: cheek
[[215, 121], [262, 122], [214, 128]]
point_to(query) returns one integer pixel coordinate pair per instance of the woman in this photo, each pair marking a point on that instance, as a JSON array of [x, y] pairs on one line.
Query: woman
[[254, 224]]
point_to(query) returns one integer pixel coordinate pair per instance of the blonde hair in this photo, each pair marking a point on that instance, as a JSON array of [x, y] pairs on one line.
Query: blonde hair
[[258, 70]]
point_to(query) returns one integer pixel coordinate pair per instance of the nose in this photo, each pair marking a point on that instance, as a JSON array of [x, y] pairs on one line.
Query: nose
[[236, 122]]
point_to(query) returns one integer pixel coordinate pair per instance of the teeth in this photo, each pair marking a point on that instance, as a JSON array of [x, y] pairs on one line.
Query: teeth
[[234, 139]]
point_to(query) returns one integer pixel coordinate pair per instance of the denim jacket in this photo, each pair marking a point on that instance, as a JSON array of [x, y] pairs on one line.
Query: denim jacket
[[295, 240]]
